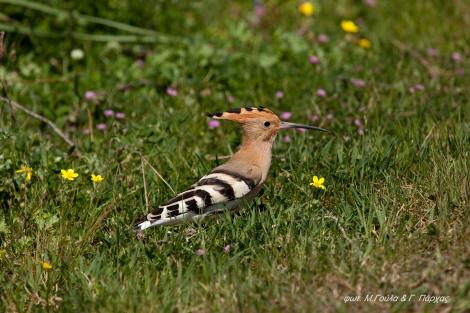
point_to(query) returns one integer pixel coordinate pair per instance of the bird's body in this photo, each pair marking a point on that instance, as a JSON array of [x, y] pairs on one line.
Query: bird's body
[[233, 183]]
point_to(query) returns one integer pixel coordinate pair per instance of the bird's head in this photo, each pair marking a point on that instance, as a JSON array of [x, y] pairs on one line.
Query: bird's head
[[258, 123]]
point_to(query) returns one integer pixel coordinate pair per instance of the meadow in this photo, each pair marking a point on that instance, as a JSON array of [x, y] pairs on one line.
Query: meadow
[[128, 84]]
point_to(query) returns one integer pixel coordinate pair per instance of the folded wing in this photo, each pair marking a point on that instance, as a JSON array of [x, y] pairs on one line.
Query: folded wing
[[221, 189]]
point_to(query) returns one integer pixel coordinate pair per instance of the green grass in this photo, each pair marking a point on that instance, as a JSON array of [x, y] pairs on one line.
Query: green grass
[[393, 220]]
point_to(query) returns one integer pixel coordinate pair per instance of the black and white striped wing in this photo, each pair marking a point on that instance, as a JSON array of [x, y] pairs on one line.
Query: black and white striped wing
[[217, 191]]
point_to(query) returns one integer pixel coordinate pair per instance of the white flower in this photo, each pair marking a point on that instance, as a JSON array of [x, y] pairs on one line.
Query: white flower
[[77, 54]]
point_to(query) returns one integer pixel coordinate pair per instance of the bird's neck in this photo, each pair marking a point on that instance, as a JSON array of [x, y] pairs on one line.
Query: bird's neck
[[256, 152]]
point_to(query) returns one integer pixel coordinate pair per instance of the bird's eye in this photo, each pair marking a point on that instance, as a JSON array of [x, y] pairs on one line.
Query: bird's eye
[[266, 124]]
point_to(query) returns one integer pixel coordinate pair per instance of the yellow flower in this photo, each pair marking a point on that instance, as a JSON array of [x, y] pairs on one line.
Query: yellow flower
[[96, 178], [26, 169], [318, 183], [69, 174], [349, 26], [364, 43], [307, 8], [46, 266]]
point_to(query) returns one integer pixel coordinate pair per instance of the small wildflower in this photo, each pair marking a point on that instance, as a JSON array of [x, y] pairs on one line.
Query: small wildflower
[[358, 122], [227, 249], [313, 60], [286, 139], [460, 71], [285, 116], [230, 98], [358, 83], [108, 113], [370, 3], [120, 115], [364, 43], [69, 174], [321, 92], [101, 126], [172, 91], [349, 26], [27, 170], [419, 87], [200, 252], [322, 38], [432, 52], [329, 116], [279, 94], [213, 124], [300, 130], [260, 10], [96, 178], [139, 63], [307, 8], [314, 118], [77, 54], [318, 183], [456, 56], [90, 95], [46, 266]]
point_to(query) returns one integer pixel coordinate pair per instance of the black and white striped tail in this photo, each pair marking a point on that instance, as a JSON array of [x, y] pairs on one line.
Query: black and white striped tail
[[217, 191]]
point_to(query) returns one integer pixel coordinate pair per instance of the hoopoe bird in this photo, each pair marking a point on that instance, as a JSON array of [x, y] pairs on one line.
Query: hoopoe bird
[[233, 183]]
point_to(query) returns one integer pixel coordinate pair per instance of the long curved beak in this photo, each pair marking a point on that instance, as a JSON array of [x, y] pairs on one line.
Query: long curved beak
[[293, 125]]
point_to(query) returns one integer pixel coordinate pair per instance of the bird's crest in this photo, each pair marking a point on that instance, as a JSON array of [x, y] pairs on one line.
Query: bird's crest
[[243, 114]]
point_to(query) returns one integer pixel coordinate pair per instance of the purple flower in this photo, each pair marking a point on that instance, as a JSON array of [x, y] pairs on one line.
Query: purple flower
[[230, 98], [456, 56], [227, 249], [370, 3], [86, 131], [460, 71], [172, 91], [313, 59], [259, 10], [90, 95], [358, 83], [108, 113], [286, 139], [279, 94], [285, 116], [200, 252], [433, 52], [314, 118], [321, 92], [139, 63], [213, 124], [416, 88], [101, 126], [358, 122], [301, 130], [419, 87], [120, 115], [322, 38]]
